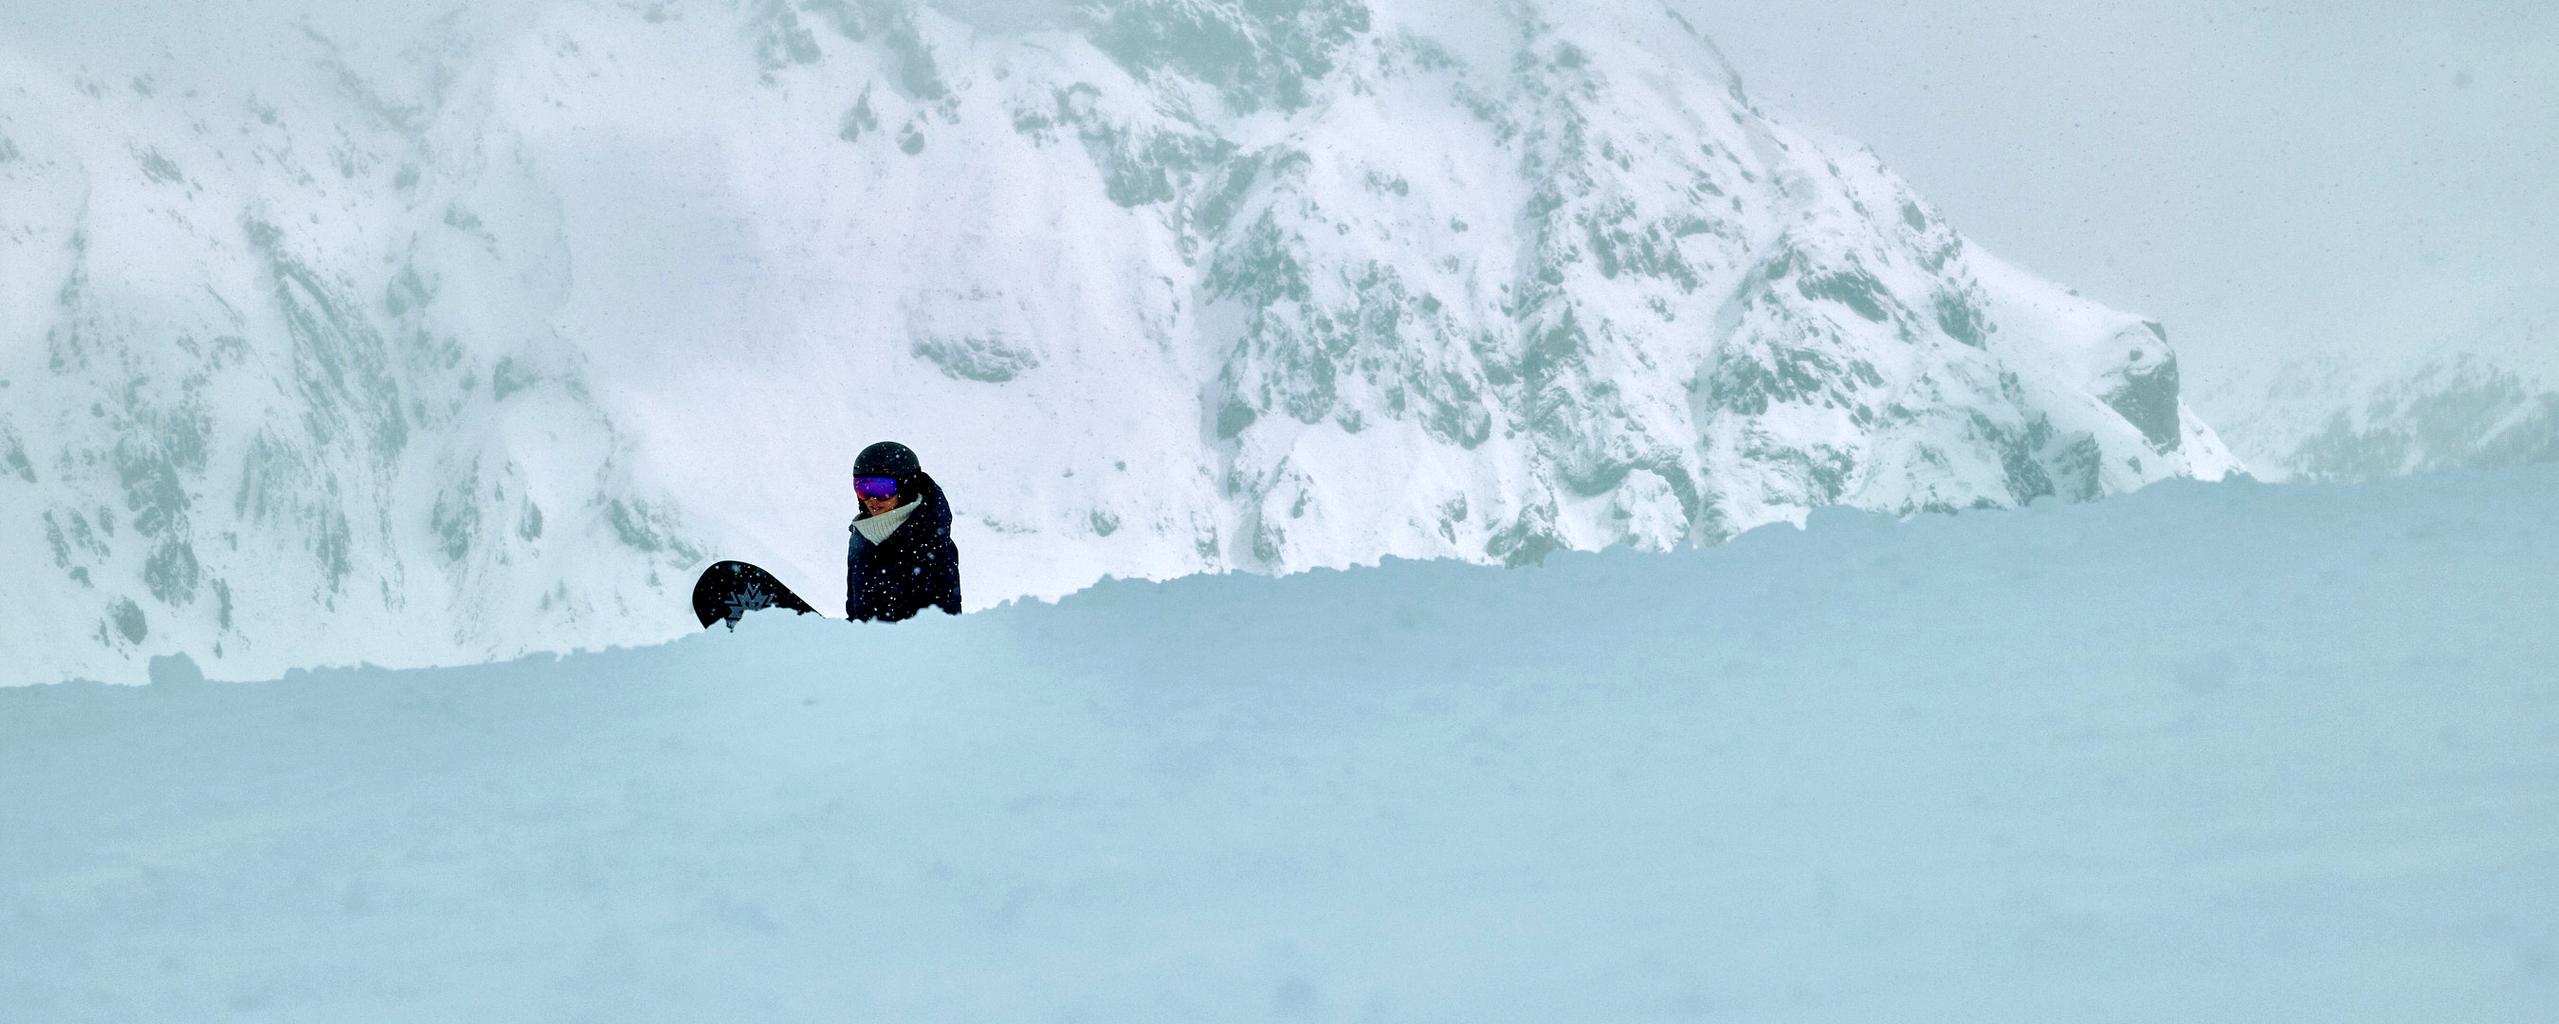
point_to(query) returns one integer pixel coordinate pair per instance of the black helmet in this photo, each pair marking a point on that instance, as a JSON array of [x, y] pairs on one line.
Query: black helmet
[[889, 459]]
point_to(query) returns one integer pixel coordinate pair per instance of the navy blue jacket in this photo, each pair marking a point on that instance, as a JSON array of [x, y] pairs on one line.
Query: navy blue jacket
[[917, 568]]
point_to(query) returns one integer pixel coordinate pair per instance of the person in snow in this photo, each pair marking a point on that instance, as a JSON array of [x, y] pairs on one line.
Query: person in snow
[[901, 560]]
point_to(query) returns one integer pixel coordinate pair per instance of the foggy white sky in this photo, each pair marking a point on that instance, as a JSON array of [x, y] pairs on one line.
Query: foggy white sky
[[2266, 177]]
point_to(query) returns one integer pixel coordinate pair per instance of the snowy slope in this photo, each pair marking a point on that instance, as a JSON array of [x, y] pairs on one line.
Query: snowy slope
[[277, 393], [477, 335], [2485, 393], [2207, 753]]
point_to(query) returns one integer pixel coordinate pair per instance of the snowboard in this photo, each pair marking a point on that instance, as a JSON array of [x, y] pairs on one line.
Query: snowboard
[[729, 590]]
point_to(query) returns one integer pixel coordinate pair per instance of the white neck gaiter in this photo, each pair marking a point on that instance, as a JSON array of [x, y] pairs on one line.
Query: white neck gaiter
[[877, 528]]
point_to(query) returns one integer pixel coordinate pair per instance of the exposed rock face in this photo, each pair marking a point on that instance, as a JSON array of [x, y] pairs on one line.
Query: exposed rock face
[[2144, 389], [480, 347]]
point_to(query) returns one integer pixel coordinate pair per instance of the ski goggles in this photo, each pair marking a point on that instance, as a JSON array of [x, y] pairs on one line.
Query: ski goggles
[[875, 486]]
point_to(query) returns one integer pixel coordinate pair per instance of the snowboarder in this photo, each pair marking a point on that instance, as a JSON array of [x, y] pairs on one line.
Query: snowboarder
[[901, 560]]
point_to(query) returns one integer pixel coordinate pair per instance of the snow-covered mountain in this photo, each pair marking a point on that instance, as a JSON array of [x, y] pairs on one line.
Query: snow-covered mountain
[[2483, 395], [460, 341]]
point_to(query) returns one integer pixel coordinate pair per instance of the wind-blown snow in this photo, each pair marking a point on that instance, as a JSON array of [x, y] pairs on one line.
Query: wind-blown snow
[[2205, 753]]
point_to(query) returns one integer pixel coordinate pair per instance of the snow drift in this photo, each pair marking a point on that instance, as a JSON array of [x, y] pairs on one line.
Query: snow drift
[[2206, 753]]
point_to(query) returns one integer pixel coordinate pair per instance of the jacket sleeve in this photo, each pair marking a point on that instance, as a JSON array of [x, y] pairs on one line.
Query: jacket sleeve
[[852, 575], [948, 594]]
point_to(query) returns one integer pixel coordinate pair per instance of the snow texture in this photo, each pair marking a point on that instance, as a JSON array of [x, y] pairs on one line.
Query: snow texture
[[2232, 752], [415, 337]]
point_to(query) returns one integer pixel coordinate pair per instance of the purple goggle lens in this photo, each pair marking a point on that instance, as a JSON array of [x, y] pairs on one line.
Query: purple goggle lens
[[875, 486]]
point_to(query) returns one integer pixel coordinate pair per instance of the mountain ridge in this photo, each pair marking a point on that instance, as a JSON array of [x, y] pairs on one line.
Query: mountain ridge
[[2481, 395], [501, 330]]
